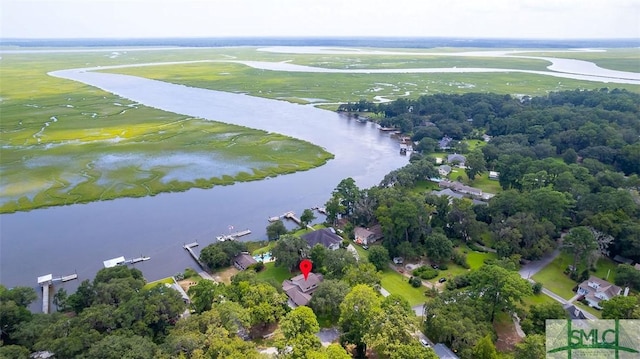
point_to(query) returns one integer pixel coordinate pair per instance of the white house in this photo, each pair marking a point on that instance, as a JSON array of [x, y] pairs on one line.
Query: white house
[[595, 289]]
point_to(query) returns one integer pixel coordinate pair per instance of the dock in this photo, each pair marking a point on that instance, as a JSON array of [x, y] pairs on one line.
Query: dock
[[188, 248], [46, 282], [119, 261], [233, 236], [292, 216]]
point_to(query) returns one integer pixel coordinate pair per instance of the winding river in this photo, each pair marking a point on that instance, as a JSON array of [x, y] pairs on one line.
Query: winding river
[[77, 238]]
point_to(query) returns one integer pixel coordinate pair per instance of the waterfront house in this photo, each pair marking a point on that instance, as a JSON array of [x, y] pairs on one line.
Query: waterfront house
[[325, 236], [595, 289], [243, 260], [367, 236], [300, 290]]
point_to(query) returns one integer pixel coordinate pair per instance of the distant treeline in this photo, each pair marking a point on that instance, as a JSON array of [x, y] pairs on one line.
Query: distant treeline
[[602, 126]]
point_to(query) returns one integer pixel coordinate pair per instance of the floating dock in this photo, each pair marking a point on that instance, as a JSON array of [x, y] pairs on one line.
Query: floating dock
[[233, 236]]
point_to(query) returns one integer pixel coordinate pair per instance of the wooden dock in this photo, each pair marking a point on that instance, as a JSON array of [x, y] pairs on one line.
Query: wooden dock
[[45, 298], [292, 216], [188, 248], [233, 236]]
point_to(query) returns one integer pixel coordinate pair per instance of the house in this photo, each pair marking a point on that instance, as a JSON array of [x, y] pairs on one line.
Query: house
[[574, 313], [486, 138], [493, 175], [443, 352], [456, 159], [367, 235], [243, 260], [595, 289], [300, 290], [460, 188], [175, 286], [324, 236], [398, 260], [444, 170], [445, 143], [637, 266], [447, 192]]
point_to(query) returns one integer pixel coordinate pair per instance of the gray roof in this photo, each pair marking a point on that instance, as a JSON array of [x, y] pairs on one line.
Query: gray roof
[[447, 192], [574, 312], [300, 290], [456, 157], [443, 352], [322, 236], [244, 260]]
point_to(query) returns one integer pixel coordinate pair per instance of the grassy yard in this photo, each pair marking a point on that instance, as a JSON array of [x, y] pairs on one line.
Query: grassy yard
[[476, 259], [553, 278], [485, 184], [396, 283], [473, 144], [279, 274], [168, 280], [537, 299]]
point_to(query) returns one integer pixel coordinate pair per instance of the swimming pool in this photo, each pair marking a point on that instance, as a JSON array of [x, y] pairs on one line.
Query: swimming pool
[[265, 257]]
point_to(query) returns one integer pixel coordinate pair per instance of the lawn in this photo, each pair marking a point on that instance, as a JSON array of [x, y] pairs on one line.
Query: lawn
[[485, 184], [473, 144], [537, 299], [553, 278], [476, 259], [279, 274], [168, 280], [396, 283]]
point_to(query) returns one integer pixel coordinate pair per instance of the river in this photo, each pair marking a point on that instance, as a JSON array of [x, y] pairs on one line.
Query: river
[[77, 238]]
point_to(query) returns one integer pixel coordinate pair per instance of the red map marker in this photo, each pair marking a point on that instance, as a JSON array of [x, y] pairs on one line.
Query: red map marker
[[305, 267]]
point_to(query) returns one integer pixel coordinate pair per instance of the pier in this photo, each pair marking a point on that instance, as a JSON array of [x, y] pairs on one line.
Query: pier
[[233, 236], [188, 248], [120, 261], [292, 216], [46, 282]]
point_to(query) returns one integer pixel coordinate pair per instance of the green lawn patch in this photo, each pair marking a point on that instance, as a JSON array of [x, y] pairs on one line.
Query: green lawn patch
[[279, 274], [606, 267], [363, 253], [536, 299], [168, 280], [396, 283], [553, 278], [473, 144], [589, 309], [485, 184]]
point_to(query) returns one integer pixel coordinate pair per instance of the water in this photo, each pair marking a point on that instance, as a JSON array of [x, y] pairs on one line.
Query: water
[[77, 238], [265, 257]]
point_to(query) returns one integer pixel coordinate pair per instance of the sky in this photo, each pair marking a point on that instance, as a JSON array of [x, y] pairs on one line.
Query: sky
[[531, 19]]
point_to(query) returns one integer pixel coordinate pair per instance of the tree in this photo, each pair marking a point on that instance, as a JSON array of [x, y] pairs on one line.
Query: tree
[[307, 217], [534, 323], [379, 257], [531, 347], [621, 307], [83, 297], [60, 300], [580, 243], [362, 273], [498, 288], [413, 350], [299, 321], [348, 193], [221, 254], [439, 247], [204, 294], [462, 221], [115, 346], [627, 276], [289, 250], [394, 326], [327, 298], [357, 313], [333, 209], [318, 256], [275, 230], [265, 304], [14, 352], [485, 349], [337, 262], [475, 164]]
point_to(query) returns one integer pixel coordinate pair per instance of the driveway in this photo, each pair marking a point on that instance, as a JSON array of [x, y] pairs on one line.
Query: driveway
[[530, 269]]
